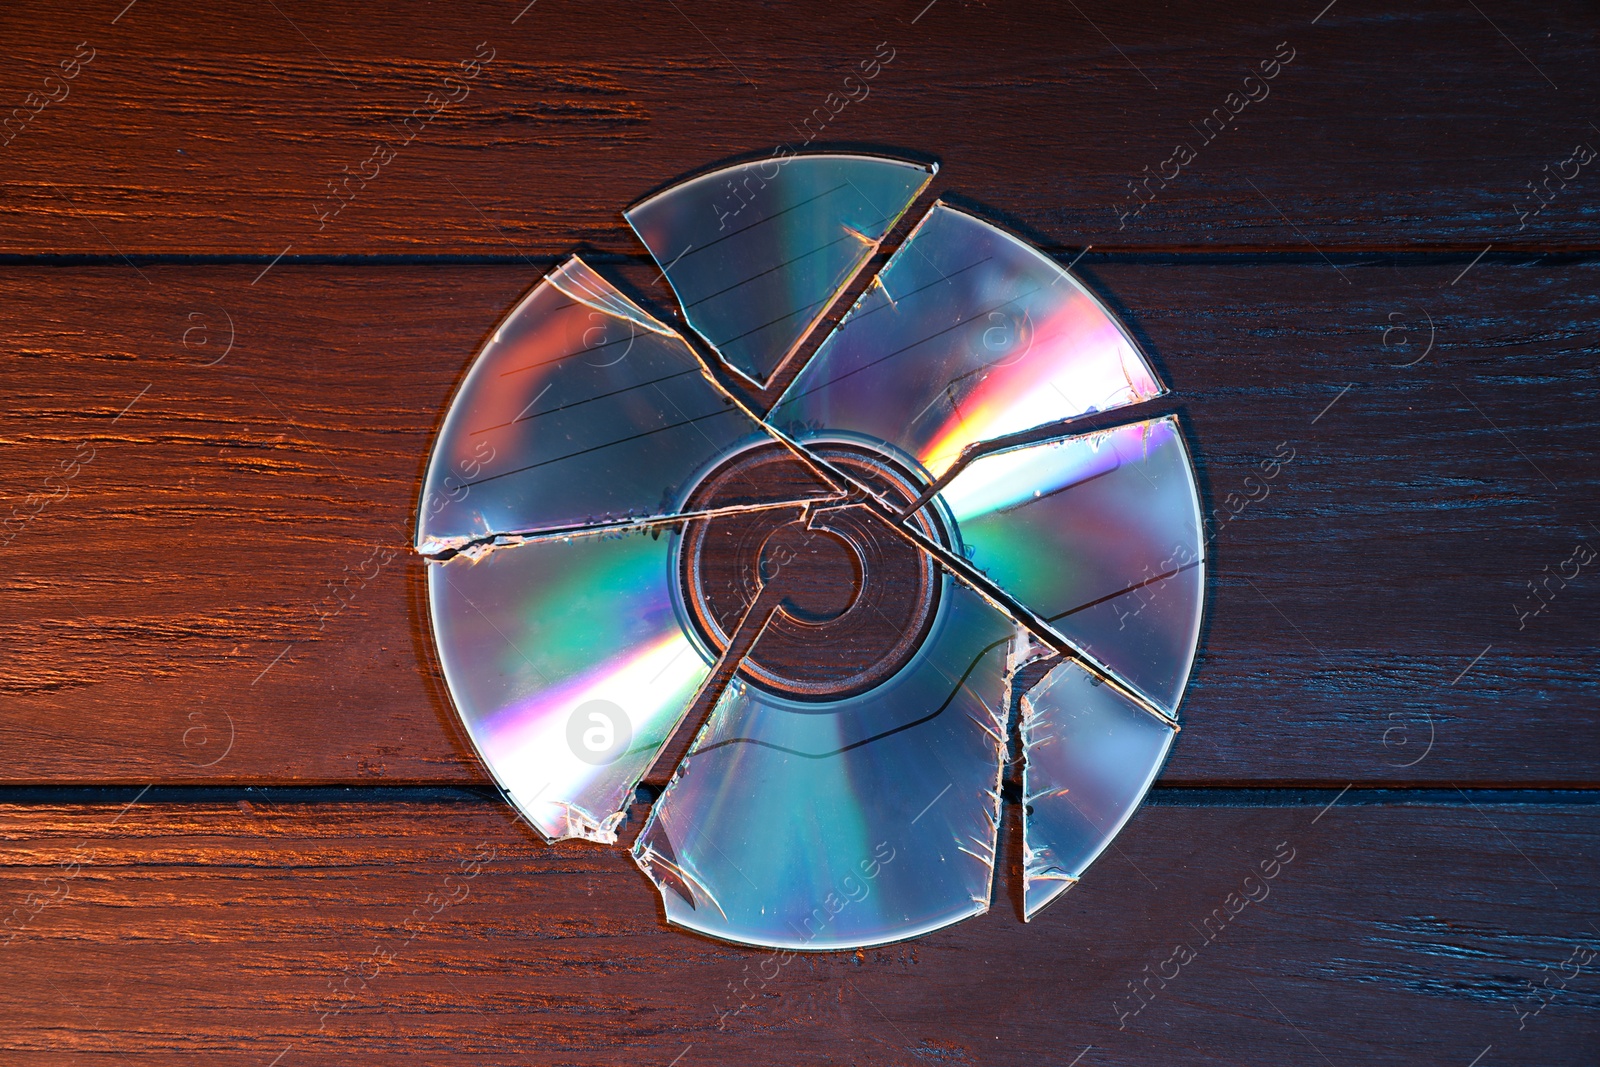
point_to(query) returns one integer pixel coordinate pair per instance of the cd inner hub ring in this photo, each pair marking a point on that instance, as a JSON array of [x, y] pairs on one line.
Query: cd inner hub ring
[[854, 599]]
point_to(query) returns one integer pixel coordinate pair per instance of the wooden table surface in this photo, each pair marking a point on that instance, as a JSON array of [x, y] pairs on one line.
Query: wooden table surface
[[221, 812]]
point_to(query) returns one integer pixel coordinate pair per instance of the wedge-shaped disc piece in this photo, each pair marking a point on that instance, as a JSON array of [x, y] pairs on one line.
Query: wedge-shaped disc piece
[[757, 253], [1099, 535], [581, 409], [848, 823], [1090, 756], [568, 667], [966, 335]]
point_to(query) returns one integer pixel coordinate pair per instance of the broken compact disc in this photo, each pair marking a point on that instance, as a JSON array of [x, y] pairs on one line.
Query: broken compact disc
[[850, 582]]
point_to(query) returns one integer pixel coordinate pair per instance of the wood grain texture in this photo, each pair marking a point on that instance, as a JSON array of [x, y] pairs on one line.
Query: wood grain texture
[[217, 931], [169, 601], [207, 128]]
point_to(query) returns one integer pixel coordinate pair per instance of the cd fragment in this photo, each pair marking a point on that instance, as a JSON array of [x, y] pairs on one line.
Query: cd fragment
[[1099, 535], [580, 410], [966, 335], [843, 823], [568, 667], [758, 252], [1090, 756]]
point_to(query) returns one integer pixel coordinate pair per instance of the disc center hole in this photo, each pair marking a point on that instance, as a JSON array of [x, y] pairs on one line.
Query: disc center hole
[[817, 572]]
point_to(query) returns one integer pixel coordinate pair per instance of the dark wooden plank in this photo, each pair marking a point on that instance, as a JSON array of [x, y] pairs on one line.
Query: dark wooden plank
[[1387, 935], [1399, 546], [170, 600], [225, 126]]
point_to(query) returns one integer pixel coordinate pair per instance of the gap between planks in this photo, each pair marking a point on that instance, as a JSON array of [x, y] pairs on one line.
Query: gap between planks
[[1159, 796], [1244, 256]]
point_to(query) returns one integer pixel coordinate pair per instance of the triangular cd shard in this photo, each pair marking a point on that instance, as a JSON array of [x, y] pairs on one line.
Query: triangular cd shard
[[967, 334], [1100, 536], [580, 409], [1090, 756], [848, 823], [568, 667], [757, 252]]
